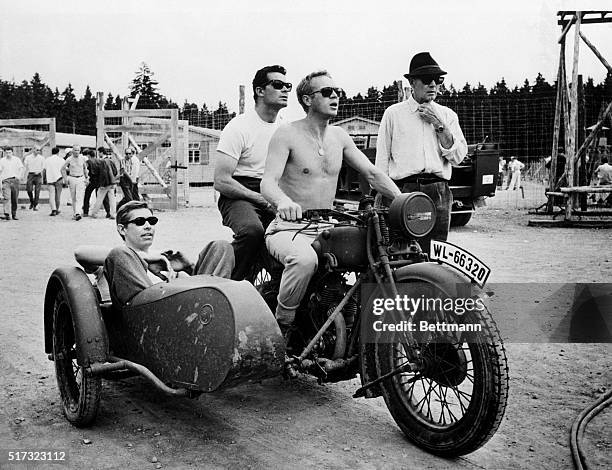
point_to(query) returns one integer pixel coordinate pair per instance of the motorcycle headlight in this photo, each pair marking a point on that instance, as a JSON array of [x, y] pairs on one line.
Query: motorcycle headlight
[[413, 213]]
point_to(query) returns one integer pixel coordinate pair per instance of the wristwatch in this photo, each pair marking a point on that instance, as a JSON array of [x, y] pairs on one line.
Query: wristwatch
[[440, 128]]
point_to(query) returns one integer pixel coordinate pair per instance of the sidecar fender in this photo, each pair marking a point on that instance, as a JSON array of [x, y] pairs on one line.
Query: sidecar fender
[[89, 329]]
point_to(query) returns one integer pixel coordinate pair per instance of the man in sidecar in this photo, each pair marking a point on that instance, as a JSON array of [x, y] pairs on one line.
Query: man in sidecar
[[131, 268], [300, 178]]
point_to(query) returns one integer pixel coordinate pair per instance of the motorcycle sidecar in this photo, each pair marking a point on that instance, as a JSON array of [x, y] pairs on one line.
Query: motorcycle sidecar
[[191, 335]]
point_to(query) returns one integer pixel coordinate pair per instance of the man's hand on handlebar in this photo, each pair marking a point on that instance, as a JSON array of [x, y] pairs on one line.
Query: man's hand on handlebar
[[289, 210]]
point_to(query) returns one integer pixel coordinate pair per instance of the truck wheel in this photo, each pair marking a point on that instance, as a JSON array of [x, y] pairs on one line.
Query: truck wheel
[[80, 393], [459, 220]]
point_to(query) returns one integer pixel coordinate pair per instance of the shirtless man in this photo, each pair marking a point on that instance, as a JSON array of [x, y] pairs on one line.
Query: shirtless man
[[301, 174]]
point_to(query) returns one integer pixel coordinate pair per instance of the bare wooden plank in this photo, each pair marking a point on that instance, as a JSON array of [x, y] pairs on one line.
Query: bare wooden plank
[[52, 133], [174, 142], [566, 29], [596, 52], [147, 163], [136, 128], [587, 189], [571, 155], [138, 112], [99, 119], [26, 122]]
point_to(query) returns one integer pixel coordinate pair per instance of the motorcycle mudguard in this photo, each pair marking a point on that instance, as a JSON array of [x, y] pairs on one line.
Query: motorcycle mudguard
[[446, 279], [89, 329], [200, 332]]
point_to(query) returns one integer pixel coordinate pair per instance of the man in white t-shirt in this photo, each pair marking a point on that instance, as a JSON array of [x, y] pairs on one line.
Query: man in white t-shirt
[[241, 158]]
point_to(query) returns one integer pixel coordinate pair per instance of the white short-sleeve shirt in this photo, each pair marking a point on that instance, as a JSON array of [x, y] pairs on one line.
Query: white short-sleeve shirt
[[246, 139]]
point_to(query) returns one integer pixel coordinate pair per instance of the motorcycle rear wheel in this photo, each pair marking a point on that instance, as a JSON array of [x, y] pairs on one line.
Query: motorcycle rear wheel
[[455, 405]]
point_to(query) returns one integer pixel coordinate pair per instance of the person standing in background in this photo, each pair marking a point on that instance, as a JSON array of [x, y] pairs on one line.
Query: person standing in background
[[34, 163], [74, 172], [52, 170], [11, 172], [515, 168]]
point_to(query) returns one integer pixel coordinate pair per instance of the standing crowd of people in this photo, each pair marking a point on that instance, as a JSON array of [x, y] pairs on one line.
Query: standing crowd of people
[[84, 173]]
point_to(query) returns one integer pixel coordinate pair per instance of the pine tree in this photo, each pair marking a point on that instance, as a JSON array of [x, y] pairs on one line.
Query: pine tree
[[145, 85]]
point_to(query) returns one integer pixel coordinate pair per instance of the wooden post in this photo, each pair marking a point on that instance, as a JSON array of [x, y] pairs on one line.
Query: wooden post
[[185, 158], [581, 133], [99, 119], [52, 133], [241, 99], [573, 123], [174, 144], [125, 106], [552, 179]]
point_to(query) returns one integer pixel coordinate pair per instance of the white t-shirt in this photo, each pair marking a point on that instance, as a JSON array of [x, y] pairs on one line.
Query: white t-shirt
[[604, 173], [53, 168], [246, 139]]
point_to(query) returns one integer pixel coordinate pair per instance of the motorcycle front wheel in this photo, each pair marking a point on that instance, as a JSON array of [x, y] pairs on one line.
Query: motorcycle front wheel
[[456, 402]]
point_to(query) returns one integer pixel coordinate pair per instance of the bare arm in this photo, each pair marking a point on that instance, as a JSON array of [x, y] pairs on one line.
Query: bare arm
[[228, 186], [278, 153], [375, 176]]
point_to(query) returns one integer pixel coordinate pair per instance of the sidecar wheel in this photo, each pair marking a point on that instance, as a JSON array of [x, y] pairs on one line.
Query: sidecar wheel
[[456, 403], [79, 392]]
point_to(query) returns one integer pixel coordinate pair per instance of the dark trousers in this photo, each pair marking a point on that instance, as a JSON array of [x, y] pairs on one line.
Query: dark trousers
[[33, 185], [248, 222], [125, 183], [88, 192], [442, 198], [135, 193]]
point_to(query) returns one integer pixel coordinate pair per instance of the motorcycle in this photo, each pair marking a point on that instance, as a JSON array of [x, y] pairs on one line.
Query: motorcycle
[[447, 387]]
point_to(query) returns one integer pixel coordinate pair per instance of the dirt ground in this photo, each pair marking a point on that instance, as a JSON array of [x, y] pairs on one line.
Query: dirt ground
[[298, 424]]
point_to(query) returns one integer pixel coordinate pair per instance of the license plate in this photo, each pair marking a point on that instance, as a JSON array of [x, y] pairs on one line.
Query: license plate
[[463, 261]]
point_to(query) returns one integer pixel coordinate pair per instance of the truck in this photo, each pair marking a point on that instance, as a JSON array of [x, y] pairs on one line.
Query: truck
[[474, 179]]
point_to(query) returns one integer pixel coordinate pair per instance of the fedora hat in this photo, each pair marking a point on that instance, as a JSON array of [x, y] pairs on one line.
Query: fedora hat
[[423, 64]]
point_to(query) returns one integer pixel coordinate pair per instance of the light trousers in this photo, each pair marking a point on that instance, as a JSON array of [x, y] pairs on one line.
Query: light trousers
[[101, 193], [55, 193], [291, 244], [77, 193]]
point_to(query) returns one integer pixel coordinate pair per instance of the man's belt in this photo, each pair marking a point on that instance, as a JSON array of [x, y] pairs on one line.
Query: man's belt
[[9, 178], [421, 178]]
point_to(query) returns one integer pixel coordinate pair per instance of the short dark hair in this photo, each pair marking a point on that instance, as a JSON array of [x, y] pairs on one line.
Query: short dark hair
[[101, 149], [604, 160], [123, 214], [54, 151], [304, 87], [261, 77]]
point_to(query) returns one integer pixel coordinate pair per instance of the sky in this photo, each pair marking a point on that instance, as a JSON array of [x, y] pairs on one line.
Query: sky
[[201, 51]]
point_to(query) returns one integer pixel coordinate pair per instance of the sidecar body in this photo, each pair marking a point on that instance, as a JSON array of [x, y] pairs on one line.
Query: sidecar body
[[191, 335]]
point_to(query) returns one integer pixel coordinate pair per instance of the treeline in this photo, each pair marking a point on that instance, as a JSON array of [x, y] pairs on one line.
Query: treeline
[[73, 115], [520, 119]]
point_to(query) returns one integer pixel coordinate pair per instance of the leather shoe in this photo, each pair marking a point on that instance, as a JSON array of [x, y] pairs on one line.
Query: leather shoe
[[15, 217]]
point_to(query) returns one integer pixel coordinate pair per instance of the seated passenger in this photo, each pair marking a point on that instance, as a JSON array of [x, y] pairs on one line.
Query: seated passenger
[[130, 268]]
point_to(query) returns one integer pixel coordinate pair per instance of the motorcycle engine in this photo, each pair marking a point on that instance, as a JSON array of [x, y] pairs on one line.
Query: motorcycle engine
[[322, 302]]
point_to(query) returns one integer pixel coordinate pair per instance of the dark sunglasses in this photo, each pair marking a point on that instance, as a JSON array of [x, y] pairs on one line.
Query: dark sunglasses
[[279, 84], [140, 221], [427, 79], [327, 91]]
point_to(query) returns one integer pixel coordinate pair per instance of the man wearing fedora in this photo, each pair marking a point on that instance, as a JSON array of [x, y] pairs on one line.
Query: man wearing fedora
[[418, 140]]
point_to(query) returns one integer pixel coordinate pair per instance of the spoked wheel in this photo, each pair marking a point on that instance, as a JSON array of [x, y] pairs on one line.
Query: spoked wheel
[[79, 392], [455, 403]]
